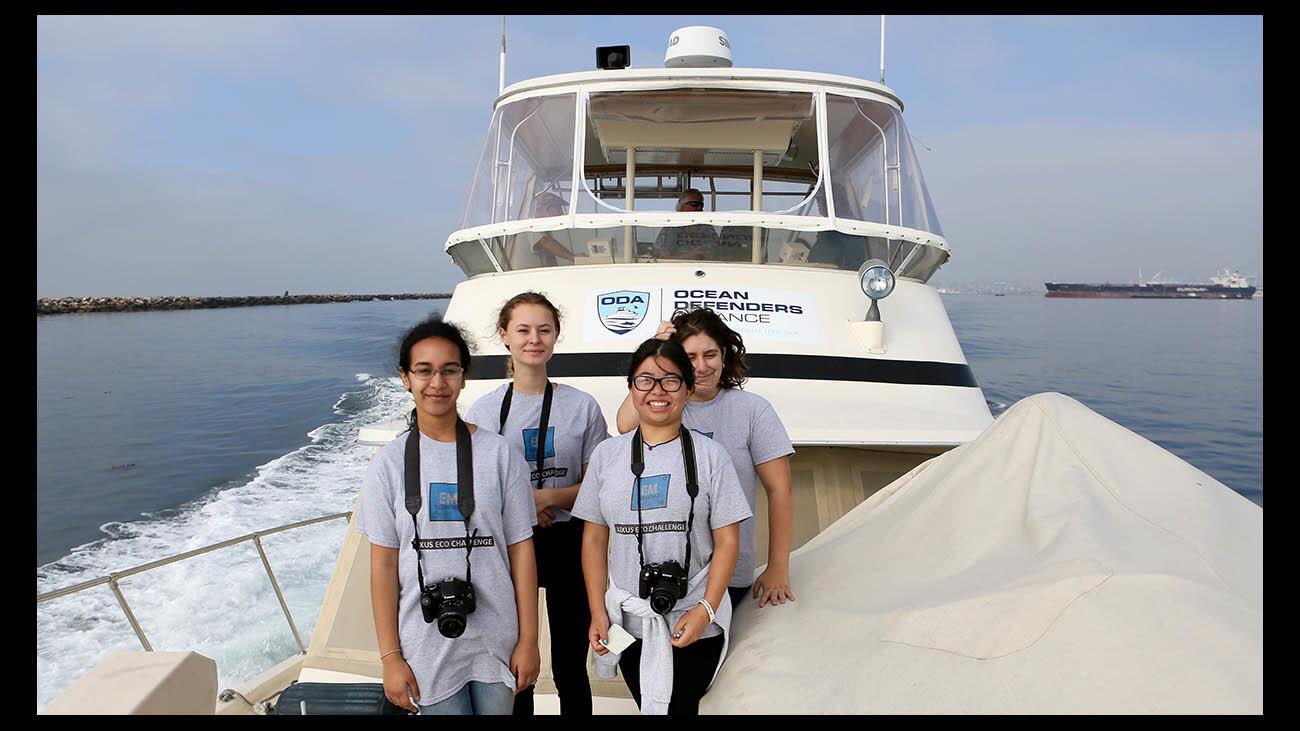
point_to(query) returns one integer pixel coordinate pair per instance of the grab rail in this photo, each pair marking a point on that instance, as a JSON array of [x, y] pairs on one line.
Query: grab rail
[[256, 537]]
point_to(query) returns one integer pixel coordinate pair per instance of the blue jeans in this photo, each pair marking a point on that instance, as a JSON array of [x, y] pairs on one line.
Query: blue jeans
[[475, 699]]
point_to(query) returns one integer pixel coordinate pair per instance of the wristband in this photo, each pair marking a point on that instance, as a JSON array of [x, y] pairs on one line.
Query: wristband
[[390, 652], [709, 608]]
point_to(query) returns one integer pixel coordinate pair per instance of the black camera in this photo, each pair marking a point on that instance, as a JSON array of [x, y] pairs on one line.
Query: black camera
[[663, 583], [450, 602]]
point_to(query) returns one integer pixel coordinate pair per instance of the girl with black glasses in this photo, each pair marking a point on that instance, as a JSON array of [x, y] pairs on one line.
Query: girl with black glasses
[[447, 510], [748, 427], [663, 509]]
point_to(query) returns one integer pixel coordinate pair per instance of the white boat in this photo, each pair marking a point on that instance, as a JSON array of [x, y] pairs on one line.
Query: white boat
[[809, 180]]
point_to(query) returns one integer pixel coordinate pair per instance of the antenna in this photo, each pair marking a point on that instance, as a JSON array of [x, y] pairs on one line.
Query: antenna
[[882, 49], [501, 83]]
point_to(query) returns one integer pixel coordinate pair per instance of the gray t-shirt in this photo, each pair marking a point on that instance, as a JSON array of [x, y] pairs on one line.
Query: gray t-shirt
[[503, 515], [698, 240], [747, 426], [574, 428], [608, 498]]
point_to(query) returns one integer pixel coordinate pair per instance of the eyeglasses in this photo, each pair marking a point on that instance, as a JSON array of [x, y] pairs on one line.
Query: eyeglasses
[[425, 373], [693, 204], [671, 384]]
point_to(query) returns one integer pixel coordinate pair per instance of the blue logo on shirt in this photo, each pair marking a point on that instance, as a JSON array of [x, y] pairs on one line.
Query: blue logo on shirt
[[530, 444], [708, 434], [655, 489], [442, 502]]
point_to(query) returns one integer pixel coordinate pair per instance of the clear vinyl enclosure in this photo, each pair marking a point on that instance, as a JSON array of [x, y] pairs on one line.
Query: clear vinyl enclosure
[[598, 177]]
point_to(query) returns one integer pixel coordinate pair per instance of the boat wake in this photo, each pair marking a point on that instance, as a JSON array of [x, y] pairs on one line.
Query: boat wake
[[219, 604]]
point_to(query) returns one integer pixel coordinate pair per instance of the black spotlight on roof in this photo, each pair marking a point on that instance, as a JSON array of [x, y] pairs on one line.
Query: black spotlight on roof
[[613, 57]]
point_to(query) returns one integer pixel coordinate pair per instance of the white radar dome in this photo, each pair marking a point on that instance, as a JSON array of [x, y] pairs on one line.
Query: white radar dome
[[698, 45]]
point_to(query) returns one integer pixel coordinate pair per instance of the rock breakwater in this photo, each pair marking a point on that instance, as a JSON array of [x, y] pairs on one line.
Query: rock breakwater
[[62, 305]]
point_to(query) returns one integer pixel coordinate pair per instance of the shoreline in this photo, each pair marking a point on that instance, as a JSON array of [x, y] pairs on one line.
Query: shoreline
[[69, 305]]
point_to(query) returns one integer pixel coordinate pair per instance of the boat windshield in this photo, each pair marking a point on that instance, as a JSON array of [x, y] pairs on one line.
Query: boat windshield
[[705, 174]]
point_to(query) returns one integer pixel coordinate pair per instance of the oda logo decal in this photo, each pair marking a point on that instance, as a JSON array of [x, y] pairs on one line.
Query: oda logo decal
[[620, 312]]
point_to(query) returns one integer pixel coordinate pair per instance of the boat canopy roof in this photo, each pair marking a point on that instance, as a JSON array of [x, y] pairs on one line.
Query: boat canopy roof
[[590, 167], [646, 78]]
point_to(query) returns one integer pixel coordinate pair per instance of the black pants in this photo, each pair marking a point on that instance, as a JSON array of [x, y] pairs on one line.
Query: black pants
[[559, 569], [693, 668], [738, 595]]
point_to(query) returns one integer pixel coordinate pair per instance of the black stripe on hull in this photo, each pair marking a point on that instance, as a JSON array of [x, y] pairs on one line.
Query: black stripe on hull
[[762, 365]]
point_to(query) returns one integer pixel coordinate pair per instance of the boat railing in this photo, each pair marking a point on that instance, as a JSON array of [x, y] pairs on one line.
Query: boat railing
[[113, 579]]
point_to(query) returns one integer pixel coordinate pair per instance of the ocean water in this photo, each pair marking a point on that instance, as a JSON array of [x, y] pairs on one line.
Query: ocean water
[[160, 432], [1186, 374]]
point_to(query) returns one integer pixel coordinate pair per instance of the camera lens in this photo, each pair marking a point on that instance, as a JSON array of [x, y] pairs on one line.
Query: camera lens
[[451, 624], [661, 602]]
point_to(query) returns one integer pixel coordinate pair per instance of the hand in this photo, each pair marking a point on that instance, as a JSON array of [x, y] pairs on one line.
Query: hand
[[542, 499], [666, 330], [598, 631], [399, 683], [690, 626], [545, 517], [525, 663], [773, 587]]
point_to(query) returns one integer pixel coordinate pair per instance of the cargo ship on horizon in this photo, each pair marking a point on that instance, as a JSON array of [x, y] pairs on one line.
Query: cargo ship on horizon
[[1225, 285]]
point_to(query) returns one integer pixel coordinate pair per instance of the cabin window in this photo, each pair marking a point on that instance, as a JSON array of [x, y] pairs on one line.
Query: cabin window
[[707, 140], [874, 174], [786, 247], [528, 157], [704, 139], [472, 258], [926, 262]]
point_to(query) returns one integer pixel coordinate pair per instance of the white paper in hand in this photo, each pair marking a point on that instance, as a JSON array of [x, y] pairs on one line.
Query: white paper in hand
[[619, 639]]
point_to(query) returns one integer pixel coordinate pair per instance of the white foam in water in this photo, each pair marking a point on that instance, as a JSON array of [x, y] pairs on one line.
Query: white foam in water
[[220, 605]]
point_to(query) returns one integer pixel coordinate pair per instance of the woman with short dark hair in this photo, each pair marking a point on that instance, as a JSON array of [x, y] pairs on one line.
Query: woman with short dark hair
[[748, 427], [663, 510]]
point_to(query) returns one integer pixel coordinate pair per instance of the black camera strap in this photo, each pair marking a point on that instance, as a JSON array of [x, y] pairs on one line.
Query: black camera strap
[[638, 466], [464, 487], [692, 488], [541, 427]]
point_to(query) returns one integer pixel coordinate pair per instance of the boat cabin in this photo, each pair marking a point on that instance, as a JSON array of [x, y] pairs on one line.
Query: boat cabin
[[795, 169]]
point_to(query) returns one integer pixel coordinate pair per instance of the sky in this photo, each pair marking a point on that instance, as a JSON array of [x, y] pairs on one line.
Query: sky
[[243, 155]]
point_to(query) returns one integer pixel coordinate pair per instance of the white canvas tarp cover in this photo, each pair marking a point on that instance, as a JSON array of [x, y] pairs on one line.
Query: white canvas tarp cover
[[1059, 563]]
